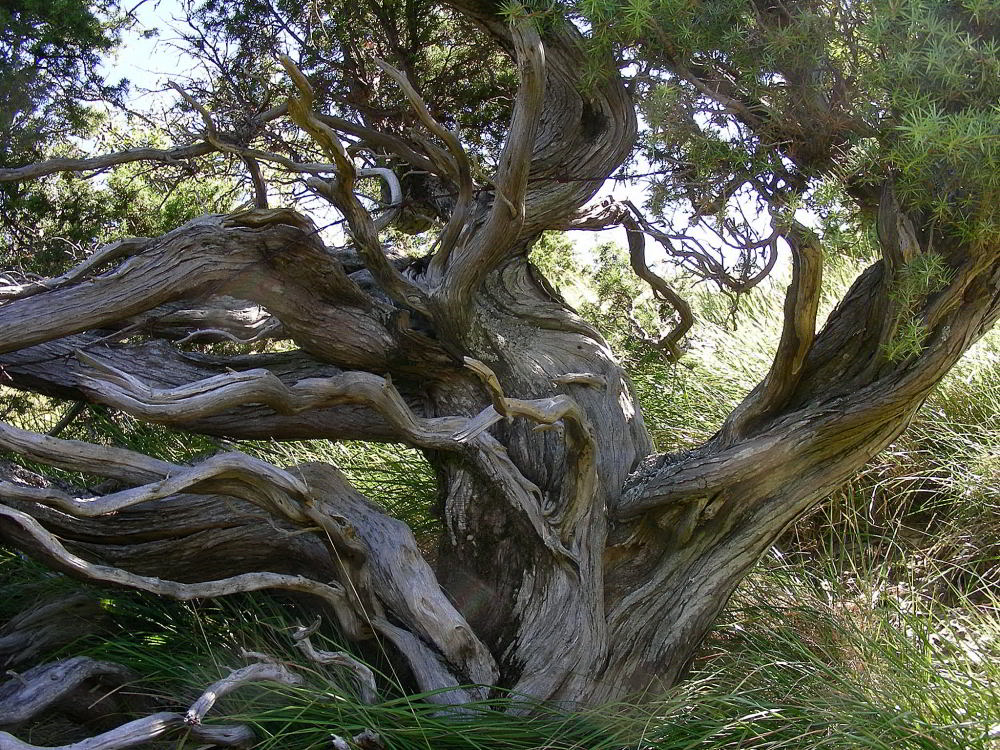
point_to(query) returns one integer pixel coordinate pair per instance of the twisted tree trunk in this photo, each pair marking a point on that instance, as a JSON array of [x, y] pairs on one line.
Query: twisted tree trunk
[[575, 564]]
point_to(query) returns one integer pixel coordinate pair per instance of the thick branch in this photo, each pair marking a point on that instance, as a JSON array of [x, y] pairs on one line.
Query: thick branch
[[53, 368], [333, 595], [797, 335], [211, 396], [270, 257], [493, 242], [30, 693]]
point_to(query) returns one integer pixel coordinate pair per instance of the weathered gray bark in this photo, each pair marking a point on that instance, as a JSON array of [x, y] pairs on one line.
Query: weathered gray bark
[[575, 565]]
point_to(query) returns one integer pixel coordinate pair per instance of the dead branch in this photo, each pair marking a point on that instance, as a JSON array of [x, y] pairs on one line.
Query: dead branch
[[379, 140], [332, 594], [76, 455], [661, 289], [363, 675], [358, 219], [63, 677], [47, 625], [245, 250], [68, 417], [234, 474], [236, 679], [609, 213], [142, 731], [400, 576], [26, 695], [173, 155], [459, 171], [431, 673], [699, 260]]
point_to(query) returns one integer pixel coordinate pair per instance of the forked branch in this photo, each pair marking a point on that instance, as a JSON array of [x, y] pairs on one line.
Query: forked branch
[[362, 673], [341, 192], [59, 678], [669, 341], [457, 168]]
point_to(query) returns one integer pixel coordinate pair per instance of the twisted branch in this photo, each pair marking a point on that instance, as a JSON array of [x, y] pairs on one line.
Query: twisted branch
[[342, 194], [56, 680], [797, 334], [503, 225]]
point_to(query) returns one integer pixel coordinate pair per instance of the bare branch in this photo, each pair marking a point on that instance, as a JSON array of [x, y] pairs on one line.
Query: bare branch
[[234, 474], [257, 179], [696, 258], [360, 221], [143, 731], [503, 226], [53, 368], [39, 688], [108, 253], [257, 255], [363, 675], [48, 625], [217, 394], [332, 594], [75, 455], [797, 334], [166, 156], [380, 140], [661, 289], [457, 168], [371, 546], [69, 416], [52, 166], [26, 695], [432, 674], [234, 681], [610, 213]]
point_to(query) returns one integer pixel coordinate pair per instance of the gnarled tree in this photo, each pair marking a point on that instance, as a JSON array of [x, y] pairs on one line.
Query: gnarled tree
[[575, 563]]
